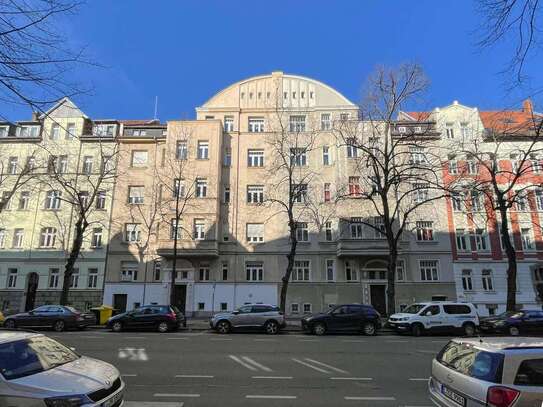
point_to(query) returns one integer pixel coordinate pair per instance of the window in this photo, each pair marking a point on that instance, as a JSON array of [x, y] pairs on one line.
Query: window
[[227, 159], [535, 161], [54, 277], [297, 123], [301, 271], [107, 166], [2, 238], [475, 201], [92, 278], [226, 194], [256, 124], [453, 165], [254, 271], [354, 186], [328, 232], [400, 270], [255, 232], [30, 164], [4, 130], [228, 123], [539, 199], [302, 233], [62, 164], [224, 272], [449, 129], [136, 195], [255, 158], [514, 163], [344, 117], [461, 241], [201, 188], [55, 131], [464, 130], [530, 372], [481, 240], [18, 237], [48, 237], [429, 270], [300, 193], [70, 131], [473, 167], [175, 229], [224, 306], [129, 271], [101, 200], [457, 309], [298, 157], [307, 308], [294, 308], [83, 197], [467, 282], [356, 228], [350, 273], [378, 227], [255, 194], [488, 283], [97, 234], [199, 229], [87, 164], [203, 273], [352, 151], [178, 188], [201, 306], [28, 131], [74, 278], [327, 194], [457, 201], [139, 158], [203, 150], [330, 270], [132, 232], [326, 122], [52, 200], [527, 239], [521, 202], [12, 278], [420, 193], [417, 155], [104, 130], [425, 231], [502, 239], [6, 200], [326, 155], [181, 151], [12, 165]]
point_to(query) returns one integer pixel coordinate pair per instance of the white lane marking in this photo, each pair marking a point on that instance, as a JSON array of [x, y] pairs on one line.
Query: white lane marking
[[89, 337], [129, 375], [242, 363], [369, 398], [419, 379], [309, 340], [335, 369], [318, 369], [175, 395], [221, 339], [255, 396], [255, 363], [134, 337], [265, 340], [352, 378], [353, 341], [179, 339], [152, 404], [195, 376], [273, 377]]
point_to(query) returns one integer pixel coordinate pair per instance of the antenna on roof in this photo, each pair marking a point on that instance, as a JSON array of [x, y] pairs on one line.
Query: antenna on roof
[[156, 107]]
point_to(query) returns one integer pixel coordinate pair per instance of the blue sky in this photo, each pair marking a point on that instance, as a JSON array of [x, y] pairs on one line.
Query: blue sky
[[186, 51]]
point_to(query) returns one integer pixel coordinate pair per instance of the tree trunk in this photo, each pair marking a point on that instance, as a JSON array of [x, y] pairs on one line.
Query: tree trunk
[[290, 264], [174, 261], [80, 227], [391, 280], [511, 262]]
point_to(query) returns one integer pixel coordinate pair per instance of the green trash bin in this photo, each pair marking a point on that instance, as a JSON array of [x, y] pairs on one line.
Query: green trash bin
[[103, 313]]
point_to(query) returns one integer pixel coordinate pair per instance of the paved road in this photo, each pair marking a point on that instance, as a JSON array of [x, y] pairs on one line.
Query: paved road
[[207, 369]]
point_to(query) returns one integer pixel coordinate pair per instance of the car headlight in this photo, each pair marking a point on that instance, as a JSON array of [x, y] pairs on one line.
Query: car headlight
[[67, 401], [500, 323]]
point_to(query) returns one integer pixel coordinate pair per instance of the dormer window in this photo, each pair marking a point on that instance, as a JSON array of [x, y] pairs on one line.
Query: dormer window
[[401, 129], [418, 129]]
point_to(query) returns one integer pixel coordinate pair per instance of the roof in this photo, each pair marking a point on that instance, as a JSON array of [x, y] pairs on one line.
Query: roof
[[508, 121], [418, 116], [10, 336], [503, 343], [142, 122]]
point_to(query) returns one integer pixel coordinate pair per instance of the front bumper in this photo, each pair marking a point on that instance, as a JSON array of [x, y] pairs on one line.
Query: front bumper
[[399, 326]]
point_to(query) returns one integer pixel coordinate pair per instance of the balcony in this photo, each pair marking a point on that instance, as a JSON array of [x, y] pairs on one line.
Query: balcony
[[189, 248], [363, 247]]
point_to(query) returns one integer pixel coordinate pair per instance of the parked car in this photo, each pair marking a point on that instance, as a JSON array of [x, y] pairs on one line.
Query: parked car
[[499, 372], [251, 316], [436, 317], [38, 371], [514, 323], [57, 317], [344, 318], [2, 318], [162, 318]]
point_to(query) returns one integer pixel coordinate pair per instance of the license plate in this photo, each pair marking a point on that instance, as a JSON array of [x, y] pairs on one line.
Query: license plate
[[110, 402], [457, 398]]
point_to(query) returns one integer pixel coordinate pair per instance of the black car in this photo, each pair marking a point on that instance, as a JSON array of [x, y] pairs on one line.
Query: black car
[[162, 318], [344, 318], [57, 317], [514, 322]]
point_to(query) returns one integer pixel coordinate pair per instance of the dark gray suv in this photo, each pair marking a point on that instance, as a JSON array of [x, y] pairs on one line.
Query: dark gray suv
[[251, 316]]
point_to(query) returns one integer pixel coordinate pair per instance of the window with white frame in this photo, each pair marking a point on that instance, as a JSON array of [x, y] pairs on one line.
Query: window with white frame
[[300, 193], [6, 200], [97, 234], [476, 204], [464, 130], [74, 278], [129, 271], [55, 131], [298, 157], [467, 281], [539, 198], [157, 270], [48, 237], [473, 167], [330, 270], [204, 272], [228, 123], [4, 131], [487, 280], [481, 240], [175, 229], [302, 232], [449, 130], [527, 239], [227, 159], [203, 150], [357, 229], [54, 277], [301, 271], [139, 158], [420, 192], [87, 164], [502, 238], [461, 240], [199, 229], [83, 197], [535, 162], [92, 281], [224, 271], [327, 193], [28, 131], [132, 232], [297, 123], [326, 155], [457, 200], [417, 155], [378, 227], [136, 194], [12, 277], [256, 125], [326, 121], [328, 231], [255, 232], [352, 150], [70, 131], [13, 165], [181, 150], [400, 270], [178, 190], [255, 194], [521, 201], [425, 231], [2, 238], [18, 238], [104, 130], [429, 270], [201, 188], [307, 308], [514, 163], [453, 164], [101, 200], [24, 200], [354, 186], [294, 308], [254, 271], [255, 158], [62, 164], [351, 274]]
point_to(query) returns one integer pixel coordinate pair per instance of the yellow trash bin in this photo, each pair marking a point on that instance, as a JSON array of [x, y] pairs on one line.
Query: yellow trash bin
[[103, 313]]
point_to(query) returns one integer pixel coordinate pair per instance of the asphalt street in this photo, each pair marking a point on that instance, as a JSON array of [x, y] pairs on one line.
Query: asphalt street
[[208, 369]]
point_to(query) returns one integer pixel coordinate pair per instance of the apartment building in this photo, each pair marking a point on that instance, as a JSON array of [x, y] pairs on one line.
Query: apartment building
[[37, 221]]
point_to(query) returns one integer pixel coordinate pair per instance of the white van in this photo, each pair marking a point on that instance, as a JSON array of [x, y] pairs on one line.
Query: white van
[[438, 317]]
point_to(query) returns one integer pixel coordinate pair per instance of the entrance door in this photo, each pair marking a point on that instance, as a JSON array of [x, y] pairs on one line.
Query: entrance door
[[378, 298], [180, 297], [32, 287], [119, 302]]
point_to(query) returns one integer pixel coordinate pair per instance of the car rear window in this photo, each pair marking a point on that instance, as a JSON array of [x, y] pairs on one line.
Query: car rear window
[[457, 309], [530, 373], [472, 362]]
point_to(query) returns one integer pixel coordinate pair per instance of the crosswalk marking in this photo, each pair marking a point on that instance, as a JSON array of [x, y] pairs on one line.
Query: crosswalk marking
[[335, 369], [318, 369], [255, 363], [242, 363]]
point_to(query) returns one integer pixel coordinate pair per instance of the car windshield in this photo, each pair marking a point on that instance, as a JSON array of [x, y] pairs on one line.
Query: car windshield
[[413, 308], [34, 355], [507, 314], [72, 309]]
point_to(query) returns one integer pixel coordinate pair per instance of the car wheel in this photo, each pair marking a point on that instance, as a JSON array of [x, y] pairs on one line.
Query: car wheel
[[369, 329], [10, 324], [469, 329], [271, 327], [59, 326], [117, 326], [162, 327], [319, 329], [416, 329], [223, 327], [514, 331]]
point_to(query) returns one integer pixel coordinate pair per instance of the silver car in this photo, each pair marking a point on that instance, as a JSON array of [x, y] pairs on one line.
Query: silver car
[[251, 316], [498, 372], [37, 371]]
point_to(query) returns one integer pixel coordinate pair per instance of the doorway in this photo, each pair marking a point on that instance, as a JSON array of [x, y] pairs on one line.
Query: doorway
[[119, 302], [180, 297], [378, 298], [31, 288]]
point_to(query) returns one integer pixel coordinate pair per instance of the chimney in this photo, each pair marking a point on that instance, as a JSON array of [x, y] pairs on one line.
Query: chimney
[[527, 106], [35, 116]]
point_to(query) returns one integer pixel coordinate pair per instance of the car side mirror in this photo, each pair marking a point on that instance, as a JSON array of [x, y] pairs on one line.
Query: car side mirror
[[235, 312]]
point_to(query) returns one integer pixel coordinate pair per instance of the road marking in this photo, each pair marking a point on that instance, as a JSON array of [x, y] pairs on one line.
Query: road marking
[[254, 396], [221, 339], [255, 363], [242, 363], [175, 395], [134, 337], [265, 340], [335, 369], [152, 404], [273, 377], [89, 337], [309, 340], [353, 341], [432, 352], [129, 375], [318, 369], [180, 339], [352, 378], [396, 341], [419, 379], [194, 376], [369, 398]]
